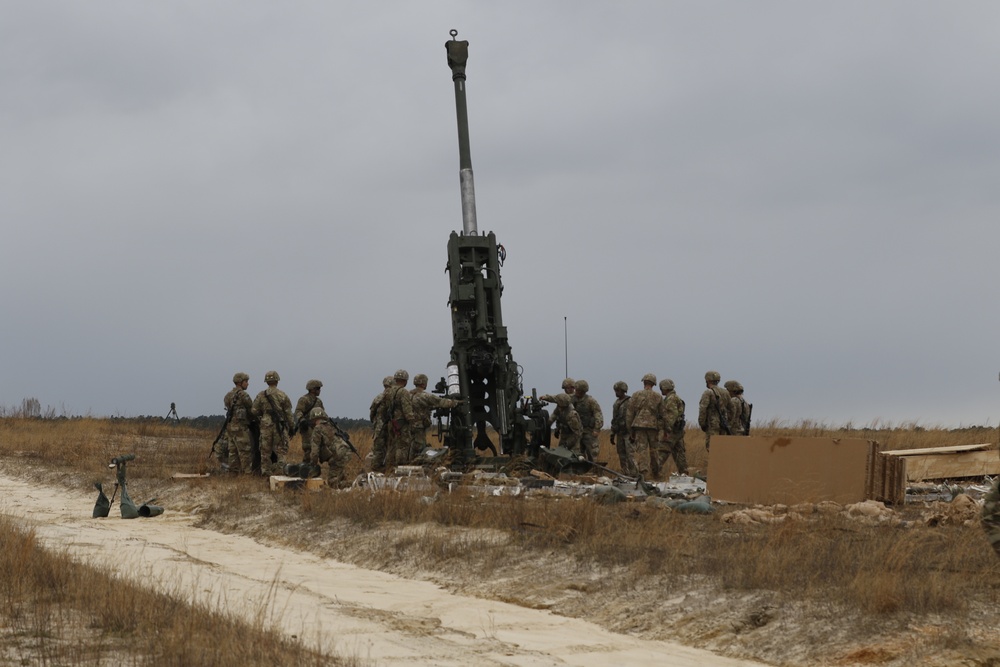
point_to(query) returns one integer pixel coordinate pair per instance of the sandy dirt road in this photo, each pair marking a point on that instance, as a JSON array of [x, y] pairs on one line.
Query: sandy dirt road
[[334, 606]]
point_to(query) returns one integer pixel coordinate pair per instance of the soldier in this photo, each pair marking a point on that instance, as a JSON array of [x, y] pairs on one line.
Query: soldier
[[424, 403], [305, 405], [238, 435], [274, 410], [328, 448], [569, 428], [644, 417], [380, 435], [672, 440], [591, 418], [619, 431], [991, 516], [739, 409], [398, 420], [713, 408]]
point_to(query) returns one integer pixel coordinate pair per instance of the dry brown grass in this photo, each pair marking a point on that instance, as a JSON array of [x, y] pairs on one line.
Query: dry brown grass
[[59, 612], [871, 573]]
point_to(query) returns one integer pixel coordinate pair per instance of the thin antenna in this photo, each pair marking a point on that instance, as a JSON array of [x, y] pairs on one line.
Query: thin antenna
[[566, 345]]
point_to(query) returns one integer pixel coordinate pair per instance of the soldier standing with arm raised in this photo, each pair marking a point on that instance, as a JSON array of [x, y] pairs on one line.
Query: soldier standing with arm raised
[[569, 428], [424, 402]]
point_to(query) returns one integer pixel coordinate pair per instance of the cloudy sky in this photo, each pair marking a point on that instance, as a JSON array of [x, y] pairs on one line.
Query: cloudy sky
[[803, 196]]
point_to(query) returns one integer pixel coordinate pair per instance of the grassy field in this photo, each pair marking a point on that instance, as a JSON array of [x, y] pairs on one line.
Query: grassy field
[[876, 575]]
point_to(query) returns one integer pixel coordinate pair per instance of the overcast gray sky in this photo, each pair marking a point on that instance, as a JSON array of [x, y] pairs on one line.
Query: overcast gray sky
[[802, 196]]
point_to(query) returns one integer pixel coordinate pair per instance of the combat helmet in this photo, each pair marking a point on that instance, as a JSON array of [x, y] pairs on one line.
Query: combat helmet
[[317, 413], [569, 383], [240, 378], [649, 378], [621, 384], [401, 375], [313, 384], [420, 379], [271, 376], [581, 385], [387, 381], [734, 387], [667, 385], [713, 376]]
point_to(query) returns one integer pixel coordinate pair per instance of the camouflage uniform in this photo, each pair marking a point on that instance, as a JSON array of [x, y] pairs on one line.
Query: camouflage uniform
[[275, 420], [328, 448], [240, 450], [591, 419], [739, 409], [399, 420], [672, 441], [380, 435], [991, 516], [644, 417], [302, 409], [713, 404], [568, 425], [424, 402], [619, 430]]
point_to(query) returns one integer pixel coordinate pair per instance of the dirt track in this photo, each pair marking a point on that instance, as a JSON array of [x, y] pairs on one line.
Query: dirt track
[[335, 606]]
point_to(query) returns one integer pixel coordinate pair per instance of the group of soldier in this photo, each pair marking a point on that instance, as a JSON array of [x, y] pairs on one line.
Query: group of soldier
[[269, 422], [400, 419], [646, 428]]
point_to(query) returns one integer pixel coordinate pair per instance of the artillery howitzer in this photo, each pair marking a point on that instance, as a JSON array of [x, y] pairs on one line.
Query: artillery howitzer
[[482, 370]]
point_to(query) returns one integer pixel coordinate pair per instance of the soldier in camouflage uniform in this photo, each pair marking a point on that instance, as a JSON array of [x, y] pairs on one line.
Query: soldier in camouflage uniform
[[274, 410], [644, 417], [991, 516], [328, 448], [569, 428], [424, 402], [672, 440], [739, 409], [591, 418], [303, 424], [713, 408], [238, 436], [398, 420], [380, 435], [619, 431]]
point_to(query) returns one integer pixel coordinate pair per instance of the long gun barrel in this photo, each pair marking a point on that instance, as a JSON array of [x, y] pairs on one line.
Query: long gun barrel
[[458, 55]]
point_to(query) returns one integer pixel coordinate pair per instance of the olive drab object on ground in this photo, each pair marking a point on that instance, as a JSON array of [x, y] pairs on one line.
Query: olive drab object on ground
[[484, 371], [128, 508]]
